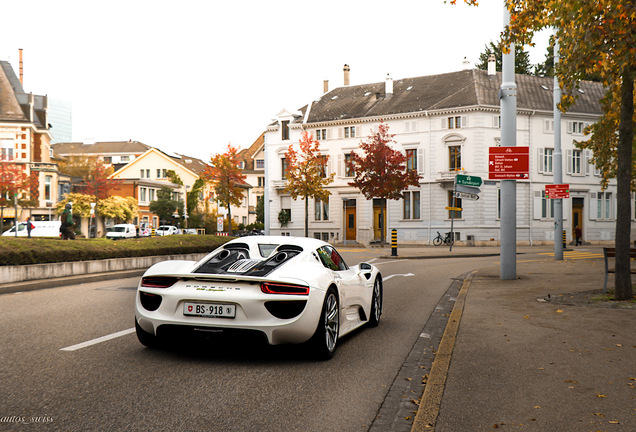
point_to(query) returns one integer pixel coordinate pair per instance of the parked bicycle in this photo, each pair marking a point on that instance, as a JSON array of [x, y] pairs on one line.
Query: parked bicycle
[[447, 239]]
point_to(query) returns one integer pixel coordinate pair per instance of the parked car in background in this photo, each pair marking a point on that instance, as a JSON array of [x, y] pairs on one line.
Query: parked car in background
[[189, 231], [122, 231], [165, 230], [41, 229]]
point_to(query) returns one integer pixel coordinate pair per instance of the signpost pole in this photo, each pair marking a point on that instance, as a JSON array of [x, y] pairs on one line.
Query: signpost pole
[[508, 104], [558, 164], [453, 214]]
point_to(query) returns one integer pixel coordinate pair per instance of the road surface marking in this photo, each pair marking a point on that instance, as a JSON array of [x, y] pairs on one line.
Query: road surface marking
[[98, 340], [393, 275]]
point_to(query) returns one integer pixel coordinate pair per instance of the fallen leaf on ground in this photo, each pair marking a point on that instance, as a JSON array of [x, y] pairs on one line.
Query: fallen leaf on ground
[[614, 422], [559, 311], [601, 395], [526, 317]]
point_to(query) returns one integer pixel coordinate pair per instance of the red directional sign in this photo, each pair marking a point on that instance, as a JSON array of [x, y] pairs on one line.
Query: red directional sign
[[557, 191], [509, 163]]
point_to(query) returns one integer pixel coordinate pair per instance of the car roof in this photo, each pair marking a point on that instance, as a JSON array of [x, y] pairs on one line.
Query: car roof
[[304, 242]]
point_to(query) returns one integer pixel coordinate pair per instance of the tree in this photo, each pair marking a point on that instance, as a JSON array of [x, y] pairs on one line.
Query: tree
[[381, 172], [13, 180], [227, 178], [79, 165], [113, 207], [260, 209], [522, 58], [306, 173], [164, 206], [596, 37]]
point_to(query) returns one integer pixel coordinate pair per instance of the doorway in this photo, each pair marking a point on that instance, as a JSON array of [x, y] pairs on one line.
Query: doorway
[[350, 220], [577, 215], [379, 220]]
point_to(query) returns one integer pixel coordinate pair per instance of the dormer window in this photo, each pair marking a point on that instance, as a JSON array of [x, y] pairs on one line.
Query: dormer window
[[284, 130]]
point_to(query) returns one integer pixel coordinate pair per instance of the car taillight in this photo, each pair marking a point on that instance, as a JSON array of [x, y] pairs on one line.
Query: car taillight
[[158, 281], [279, 288]]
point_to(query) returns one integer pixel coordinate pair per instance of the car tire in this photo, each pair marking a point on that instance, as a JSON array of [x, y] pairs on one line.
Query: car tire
[[325, 339], [147, 339], [376, 303]]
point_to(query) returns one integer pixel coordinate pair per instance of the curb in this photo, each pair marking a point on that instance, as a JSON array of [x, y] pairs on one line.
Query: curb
[[16, 287], [432, 398]]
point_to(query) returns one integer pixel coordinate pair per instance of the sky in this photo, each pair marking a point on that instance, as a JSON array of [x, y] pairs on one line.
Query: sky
[[193, 76]]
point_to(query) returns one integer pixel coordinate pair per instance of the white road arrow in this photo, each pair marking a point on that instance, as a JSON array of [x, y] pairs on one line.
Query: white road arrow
[[393, 275]]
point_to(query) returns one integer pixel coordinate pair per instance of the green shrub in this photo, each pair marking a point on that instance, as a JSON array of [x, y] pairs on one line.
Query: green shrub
[[22, 250]]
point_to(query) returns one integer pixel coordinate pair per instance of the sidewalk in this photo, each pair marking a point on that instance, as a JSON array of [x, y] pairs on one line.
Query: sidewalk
[[534, 354]]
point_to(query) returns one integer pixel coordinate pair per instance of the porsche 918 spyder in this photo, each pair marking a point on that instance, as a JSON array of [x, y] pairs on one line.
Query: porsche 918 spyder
[[287, 289]]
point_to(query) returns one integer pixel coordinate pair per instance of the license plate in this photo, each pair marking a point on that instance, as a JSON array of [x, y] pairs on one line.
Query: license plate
[[209, 310]]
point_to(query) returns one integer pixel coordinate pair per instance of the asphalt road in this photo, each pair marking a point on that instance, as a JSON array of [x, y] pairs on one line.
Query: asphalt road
[[58, 372]]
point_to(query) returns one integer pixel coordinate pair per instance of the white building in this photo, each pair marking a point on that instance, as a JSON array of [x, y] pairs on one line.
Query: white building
[[445, 125]]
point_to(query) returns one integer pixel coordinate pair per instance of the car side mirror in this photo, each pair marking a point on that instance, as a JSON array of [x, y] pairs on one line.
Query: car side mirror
[[365, 269]]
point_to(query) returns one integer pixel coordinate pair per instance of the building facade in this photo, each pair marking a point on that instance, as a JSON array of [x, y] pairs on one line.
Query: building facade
[[445, 125]]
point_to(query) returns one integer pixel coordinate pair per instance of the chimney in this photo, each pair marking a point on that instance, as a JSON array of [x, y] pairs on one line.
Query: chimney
[[21, 68], [492, 68], [325, 86], [346, 74], [388, 87]]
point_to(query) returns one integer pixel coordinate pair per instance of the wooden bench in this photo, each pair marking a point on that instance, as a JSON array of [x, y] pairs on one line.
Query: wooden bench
[[611, 253]]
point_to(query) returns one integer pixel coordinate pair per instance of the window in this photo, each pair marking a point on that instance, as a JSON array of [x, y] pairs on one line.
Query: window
[[141, 173], [108, 159], [576, 127], [411, 160], [7, 148], [260, 163], [347, 168], [158, 173], [548, 126], [604, 205], [323, 166], [284, 130], [285, 205], [47, 187], [321, 134], [151, 195], [455, 157], [124, 159], [411, 205], [321, 210], [142, 194], [543, 207], [454, 122], [545, 160], [241, 165], [350, 132], [284, 166], [575, 162], [496, 122], [261, 182], [331, 258], [456, 203]]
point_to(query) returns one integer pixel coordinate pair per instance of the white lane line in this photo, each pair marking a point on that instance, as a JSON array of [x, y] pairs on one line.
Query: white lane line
[[98, 340]]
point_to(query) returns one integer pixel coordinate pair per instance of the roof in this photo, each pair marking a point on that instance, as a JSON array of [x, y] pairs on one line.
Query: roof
[[100, 148], [15, 104], [191, 163], [247, 155], [466, 88]]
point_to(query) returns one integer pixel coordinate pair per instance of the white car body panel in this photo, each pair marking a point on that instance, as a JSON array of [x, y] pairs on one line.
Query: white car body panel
[[243, 290]]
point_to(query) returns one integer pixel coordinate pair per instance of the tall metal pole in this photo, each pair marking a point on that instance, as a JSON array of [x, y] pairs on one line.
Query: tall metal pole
[[508, 104], [558, 161]]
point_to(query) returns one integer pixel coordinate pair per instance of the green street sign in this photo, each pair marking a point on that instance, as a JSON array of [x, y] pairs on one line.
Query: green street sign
[[467, 180]]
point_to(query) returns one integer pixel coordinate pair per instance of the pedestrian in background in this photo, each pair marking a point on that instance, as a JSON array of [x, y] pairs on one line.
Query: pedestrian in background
[[29, 226], [578, 234], [67, 226]]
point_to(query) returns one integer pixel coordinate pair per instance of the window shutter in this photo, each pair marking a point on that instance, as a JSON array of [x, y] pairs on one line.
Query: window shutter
[[570, 127], [587, 154], [407, 126], [420, 161], [593, 206], [340, 133], [329, 133], [495, 121], [541, 160], [340, 167], [568, 169], [444, 123], [537, 204], [464, 121]]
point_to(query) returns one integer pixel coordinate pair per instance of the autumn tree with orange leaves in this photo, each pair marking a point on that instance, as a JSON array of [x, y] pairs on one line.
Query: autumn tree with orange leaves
[[595, 38], [306, 173], [381, 172], [227, 178], [13, 180]]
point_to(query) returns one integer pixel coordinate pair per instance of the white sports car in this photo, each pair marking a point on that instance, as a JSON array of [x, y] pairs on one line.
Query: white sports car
[[288, 289]]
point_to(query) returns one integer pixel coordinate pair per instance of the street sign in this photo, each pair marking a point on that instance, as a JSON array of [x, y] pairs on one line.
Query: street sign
[[467, 189], [454, 208], [508, 163], [466, 180], [466, 195], [557, 191]]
